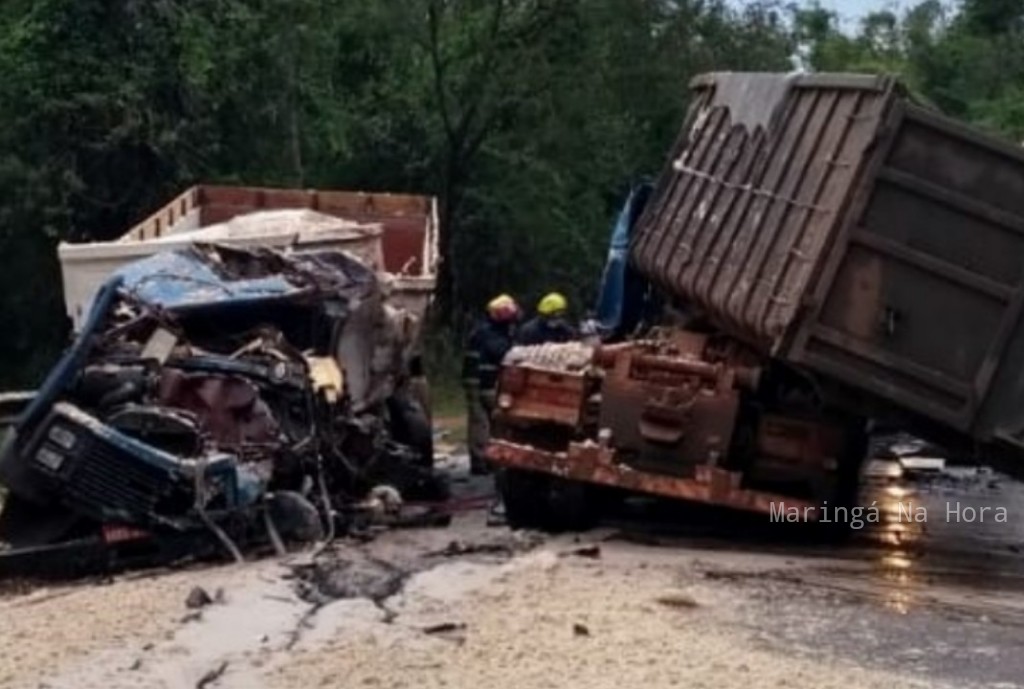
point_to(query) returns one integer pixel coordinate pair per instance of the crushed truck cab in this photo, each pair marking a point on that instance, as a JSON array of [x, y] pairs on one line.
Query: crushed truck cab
[[205, 381], [233, 394]]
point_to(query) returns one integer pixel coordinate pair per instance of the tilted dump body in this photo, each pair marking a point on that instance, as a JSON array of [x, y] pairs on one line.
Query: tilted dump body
[[399, 228], [830, 222]]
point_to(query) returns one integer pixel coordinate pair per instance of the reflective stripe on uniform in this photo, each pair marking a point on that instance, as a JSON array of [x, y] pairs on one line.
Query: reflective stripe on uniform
[[488, 376]]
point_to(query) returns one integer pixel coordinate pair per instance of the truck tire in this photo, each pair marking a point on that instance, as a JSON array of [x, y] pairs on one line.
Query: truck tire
[[410, 425], [843, 490], [24, 524], [295, 517], [547, 503], [523, 493], [572, 505]]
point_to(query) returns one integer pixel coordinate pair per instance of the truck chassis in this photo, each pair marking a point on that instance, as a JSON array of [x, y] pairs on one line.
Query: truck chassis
[[681, 414]]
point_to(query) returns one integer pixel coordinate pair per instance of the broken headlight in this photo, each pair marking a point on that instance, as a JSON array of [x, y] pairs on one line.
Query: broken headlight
[[50, 458], [62, 437]]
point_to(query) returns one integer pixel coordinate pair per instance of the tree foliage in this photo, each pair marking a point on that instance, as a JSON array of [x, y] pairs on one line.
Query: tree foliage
[[528, 118], [968, 62]]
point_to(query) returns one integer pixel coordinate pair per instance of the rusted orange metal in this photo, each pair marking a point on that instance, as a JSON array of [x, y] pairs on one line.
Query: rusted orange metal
[[592, 463], [830, 222], [664, 403], [659, 416], [536, 395]]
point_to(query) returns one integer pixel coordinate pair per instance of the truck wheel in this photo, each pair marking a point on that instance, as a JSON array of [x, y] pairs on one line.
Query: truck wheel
[[295, 517], [572, 505], [547, 503], [524, 494], [843, 489], [24, 524], [410, 425]]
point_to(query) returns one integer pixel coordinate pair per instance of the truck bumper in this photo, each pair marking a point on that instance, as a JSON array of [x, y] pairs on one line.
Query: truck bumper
[[591, 463]]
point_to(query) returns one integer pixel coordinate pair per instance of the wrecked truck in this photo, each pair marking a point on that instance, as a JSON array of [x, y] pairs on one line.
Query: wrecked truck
[[218, 397], [819, 253]]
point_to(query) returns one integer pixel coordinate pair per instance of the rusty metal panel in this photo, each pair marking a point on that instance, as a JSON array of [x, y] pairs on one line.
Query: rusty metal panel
[[830, 222], [924, 290], [754, 193], [592, 463], [531, 395], [671, 413]]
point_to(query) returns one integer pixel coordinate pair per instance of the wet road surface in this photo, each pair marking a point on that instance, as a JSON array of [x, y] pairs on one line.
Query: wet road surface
[[915, 595], [934, 587]]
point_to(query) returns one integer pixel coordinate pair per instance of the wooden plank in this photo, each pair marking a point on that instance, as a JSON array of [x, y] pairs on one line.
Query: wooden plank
[[154, 226]]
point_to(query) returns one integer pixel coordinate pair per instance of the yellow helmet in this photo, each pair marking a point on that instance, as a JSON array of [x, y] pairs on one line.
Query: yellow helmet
[[502, 308], [552, 304]]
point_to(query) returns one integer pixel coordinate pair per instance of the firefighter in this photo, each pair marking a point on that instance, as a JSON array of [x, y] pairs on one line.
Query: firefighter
[[487, 345], [550, 323]]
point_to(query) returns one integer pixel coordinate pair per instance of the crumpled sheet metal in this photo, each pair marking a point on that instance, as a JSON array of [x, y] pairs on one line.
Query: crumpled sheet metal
[[230, 409], [184, 278], [378, 335], [218, 275]]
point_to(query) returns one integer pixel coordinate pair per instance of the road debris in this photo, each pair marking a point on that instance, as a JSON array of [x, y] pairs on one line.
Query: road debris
[[212, 676], [198, 598], [677, 599], [444, 628], [590, 552], [352, 575], [459, 548], [805, 617]]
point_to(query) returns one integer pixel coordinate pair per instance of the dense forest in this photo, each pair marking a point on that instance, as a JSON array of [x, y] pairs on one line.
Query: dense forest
[[528, 118]]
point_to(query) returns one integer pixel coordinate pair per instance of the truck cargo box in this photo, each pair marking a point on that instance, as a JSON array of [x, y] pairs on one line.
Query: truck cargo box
[[400, 229], [830, 222]]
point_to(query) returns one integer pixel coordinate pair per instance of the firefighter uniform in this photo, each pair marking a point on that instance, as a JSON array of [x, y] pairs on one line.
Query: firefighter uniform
[[549, 325], [487, 346]]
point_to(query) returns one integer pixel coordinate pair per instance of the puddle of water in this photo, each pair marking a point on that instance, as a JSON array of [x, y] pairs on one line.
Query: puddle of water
[[963, 522], [961, 528], [934, 532]]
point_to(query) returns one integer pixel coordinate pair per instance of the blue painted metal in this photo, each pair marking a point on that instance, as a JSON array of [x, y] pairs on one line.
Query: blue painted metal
[[621, 295], [68, 365], [188, 278], [14, 472], [214, 464]]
